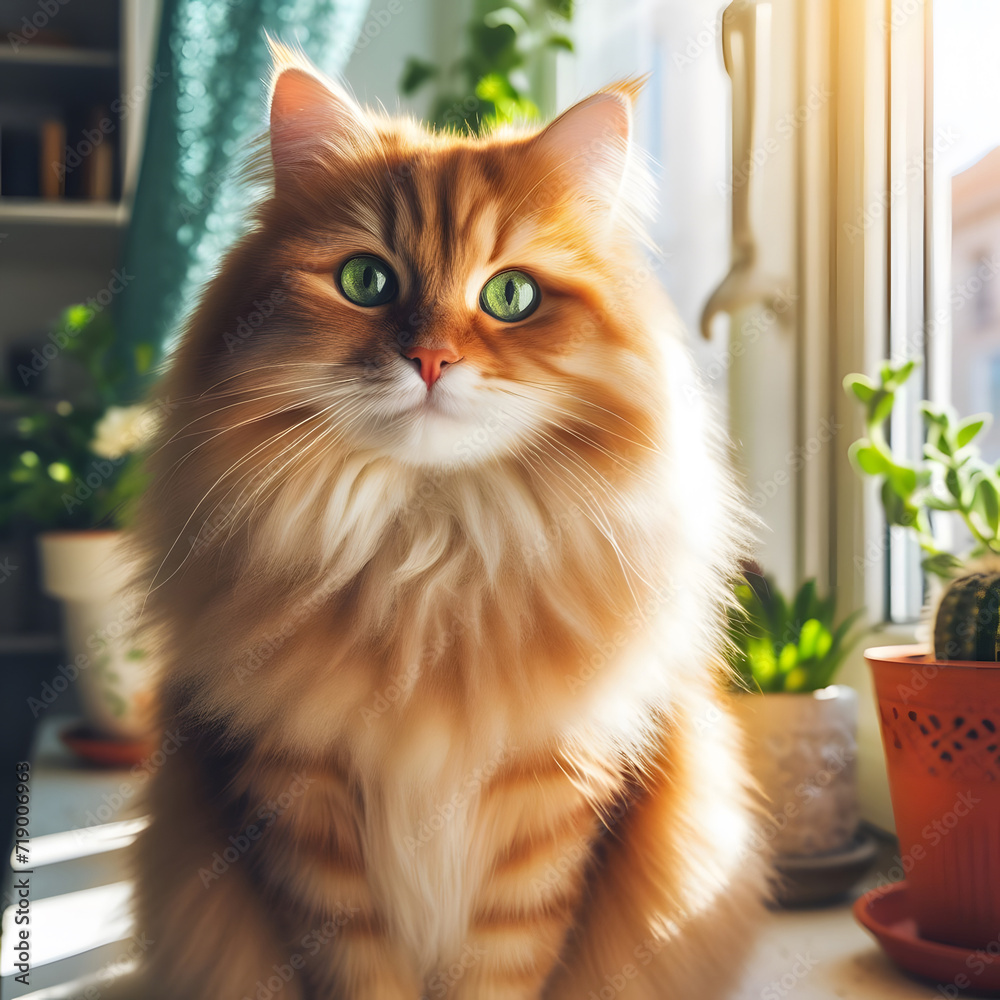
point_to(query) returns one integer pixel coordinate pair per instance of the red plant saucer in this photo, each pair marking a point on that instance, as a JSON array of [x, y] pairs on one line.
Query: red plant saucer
[[885, 912], [103, 750]]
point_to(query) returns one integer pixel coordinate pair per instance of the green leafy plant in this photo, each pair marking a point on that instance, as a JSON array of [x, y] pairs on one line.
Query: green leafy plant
[[490, 82], [951, 477], [70, 463], [781, 645]]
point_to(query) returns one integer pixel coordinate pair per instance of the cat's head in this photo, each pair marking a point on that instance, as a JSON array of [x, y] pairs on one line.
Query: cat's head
[[438, 299]]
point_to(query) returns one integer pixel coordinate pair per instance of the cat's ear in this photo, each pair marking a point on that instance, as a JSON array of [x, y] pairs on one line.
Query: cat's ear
[[592, 139], [312, 118]]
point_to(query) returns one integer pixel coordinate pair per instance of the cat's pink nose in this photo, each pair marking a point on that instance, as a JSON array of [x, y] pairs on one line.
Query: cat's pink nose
[[432, 361]]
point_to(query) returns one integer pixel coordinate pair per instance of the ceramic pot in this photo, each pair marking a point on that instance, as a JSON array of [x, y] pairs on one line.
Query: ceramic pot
[[801, 749], [941, 733], [89, 572]]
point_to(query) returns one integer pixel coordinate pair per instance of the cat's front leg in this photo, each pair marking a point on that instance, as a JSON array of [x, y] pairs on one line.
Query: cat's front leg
[[362, 965], [211, 936]]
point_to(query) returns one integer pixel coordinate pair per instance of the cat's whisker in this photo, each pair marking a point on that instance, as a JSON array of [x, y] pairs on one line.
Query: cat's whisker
[[327, 436], [217, 433], [243, 372], [600, 519], [248, 393], [155, 583], [262, 465], [561, 391], [581, 418], [317, 434], [179, 434]]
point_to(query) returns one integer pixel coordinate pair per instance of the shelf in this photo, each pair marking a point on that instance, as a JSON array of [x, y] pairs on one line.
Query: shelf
[[46, 80], [35, 211], [57, 55]]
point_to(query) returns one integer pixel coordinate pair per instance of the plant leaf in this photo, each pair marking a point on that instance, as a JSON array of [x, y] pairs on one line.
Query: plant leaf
[[866, 457], [939, 503], [560, 42], [809, 638], [970, 427], [941, 564], [897, 376], [862, 387], [505, 15], [903, 479], [883, 407], [986, 502], [416, 73]]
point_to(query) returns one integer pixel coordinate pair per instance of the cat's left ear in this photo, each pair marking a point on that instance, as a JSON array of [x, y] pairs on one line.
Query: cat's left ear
[[312, 118], [592, 139]]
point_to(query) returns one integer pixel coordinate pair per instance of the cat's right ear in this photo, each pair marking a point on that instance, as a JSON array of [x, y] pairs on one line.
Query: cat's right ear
[[312, 119]]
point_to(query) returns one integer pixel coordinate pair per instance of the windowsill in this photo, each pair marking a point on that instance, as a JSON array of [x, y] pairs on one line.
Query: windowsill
[[823, 953], [801, 954]]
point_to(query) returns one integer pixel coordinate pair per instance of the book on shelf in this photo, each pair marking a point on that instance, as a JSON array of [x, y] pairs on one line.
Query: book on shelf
[[52, 173]]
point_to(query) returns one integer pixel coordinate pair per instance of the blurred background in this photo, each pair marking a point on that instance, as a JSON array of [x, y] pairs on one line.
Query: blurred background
[[828, 195]]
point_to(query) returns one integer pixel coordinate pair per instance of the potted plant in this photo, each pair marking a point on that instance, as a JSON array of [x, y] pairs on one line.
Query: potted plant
[[71, 473], [801, 732], [940, 708]]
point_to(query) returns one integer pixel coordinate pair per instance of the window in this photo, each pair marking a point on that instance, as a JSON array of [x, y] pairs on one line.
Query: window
[[944, 235]]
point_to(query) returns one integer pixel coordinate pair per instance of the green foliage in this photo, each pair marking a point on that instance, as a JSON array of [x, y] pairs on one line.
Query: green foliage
[[781, 645], [49, 475], [489, 82], [952, 476]]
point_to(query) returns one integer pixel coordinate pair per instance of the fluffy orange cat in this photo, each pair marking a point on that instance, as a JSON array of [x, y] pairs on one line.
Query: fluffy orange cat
[[438, 545]]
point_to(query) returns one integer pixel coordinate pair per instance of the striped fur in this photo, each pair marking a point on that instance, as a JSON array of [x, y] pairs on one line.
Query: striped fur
[[445, 661]]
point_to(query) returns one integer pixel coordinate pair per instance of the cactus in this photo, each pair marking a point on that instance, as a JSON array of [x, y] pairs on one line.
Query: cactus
[[967, 623]]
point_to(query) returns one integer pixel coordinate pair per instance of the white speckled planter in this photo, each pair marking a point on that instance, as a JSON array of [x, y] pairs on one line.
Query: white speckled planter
[[802, 750], [89, 573]]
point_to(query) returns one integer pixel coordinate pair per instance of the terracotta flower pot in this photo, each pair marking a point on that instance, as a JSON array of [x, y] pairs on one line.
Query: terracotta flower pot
[[941, 732], [88, 571], [801, 749]]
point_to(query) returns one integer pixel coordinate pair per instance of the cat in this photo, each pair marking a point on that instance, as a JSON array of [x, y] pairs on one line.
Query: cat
[[439, 534]]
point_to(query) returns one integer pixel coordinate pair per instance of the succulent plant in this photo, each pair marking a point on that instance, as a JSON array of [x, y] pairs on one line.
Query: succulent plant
[[782, 645], [967, 623], [951, 479]]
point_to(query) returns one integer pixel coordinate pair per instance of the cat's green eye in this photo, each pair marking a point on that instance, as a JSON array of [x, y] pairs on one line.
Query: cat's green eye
[[510, 296], [367, 281]]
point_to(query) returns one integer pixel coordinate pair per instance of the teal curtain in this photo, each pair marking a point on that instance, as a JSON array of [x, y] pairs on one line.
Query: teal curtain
[[207, 101]]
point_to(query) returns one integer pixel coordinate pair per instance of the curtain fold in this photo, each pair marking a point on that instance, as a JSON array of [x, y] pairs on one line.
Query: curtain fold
[[207, 102]]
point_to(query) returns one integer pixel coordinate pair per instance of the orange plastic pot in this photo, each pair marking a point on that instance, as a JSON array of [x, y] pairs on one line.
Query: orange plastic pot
[[941, 732]]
